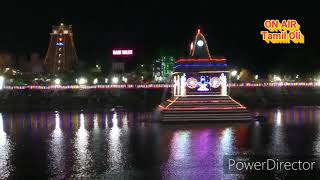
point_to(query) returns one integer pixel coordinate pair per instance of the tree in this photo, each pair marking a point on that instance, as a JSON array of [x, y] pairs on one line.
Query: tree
[[245, 75]]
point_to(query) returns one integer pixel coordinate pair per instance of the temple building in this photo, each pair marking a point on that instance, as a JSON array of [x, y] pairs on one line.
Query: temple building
[[61, 55], [200, 88]]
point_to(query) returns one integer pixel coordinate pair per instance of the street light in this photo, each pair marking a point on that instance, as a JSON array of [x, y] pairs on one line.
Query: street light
[[256, 77], [95, 81], [1, 82], [82, 81], [57, 81], [124, 79], [234, 73], [115, 80], [276, 78]]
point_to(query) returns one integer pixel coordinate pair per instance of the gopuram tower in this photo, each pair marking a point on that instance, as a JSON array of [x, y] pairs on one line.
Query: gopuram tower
[[200, 88], [61, 55]]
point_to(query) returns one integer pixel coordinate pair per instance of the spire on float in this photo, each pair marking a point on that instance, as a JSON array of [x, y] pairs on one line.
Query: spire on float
[[199, 47]]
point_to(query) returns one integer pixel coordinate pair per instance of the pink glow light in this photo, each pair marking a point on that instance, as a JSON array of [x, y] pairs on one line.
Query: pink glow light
[[118, 52]]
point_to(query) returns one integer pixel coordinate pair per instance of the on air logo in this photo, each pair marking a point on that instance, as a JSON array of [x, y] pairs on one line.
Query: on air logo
[[283, 32]]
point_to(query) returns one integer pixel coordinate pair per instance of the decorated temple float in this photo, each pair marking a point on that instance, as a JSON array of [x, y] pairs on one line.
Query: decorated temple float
[[200, 89]]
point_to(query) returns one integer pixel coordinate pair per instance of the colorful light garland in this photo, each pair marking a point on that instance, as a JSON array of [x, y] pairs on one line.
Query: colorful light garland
[[156, 86]]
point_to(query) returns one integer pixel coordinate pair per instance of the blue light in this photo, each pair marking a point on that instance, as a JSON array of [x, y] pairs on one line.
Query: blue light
[[201, 65], [59, 44]]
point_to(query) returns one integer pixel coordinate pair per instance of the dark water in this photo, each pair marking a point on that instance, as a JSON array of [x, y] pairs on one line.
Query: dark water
[[73, 145]]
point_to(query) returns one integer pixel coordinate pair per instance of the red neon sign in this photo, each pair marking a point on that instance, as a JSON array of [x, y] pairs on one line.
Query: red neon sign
[[118, 52]]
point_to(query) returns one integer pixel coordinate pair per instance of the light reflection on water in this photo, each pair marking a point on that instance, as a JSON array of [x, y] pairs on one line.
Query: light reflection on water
[[115, 151], [82, 155], [133, 146], [56, 155], [5, 148]]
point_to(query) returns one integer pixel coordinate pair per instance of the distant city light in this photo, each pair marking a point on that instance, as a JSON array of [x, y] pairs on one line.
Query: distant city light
[[115, 80], [124, 79], [200, 43], [1, 82], [234, 73], [95, 81], [276, 78], [57, 81], [82, 81]]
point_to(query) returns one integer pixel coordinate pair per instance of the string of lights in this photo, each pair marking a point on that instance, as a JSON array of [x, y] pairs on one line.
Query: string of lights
[[155, 86]]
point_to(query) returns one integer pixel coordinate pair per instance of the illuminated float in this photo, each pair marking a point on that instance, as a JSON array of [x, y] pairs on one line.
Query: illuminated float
[[200, 91]]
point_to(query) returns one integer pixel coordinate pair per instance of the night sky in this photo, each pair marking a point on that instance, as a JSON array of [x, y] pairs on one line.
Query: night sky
[[231, 29]]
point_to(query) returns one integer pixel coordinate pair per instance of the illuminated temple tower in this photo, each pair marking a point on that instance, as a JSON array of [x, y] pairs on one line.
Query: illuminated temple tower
[[200, 91], [61, 55]]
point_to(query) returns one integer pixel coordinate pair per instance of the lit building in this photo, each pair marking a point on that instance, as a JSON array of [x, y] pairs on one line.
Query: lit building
[[61, 55], [200, 90], [162, 68], [119, 59]]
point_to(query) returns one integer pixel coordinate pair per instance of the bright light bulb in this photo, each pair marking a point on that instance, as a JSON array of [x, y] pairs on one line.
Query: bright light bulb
[[82, 81], [115, 80], [57, 81], [200, 43], [276, 78], [234, 73], [1, 82], [95, 81]]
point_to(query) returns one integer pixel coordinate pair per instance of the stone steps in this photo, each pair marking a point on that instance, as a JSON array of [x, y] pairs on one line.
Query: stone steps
[[203, 108]]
